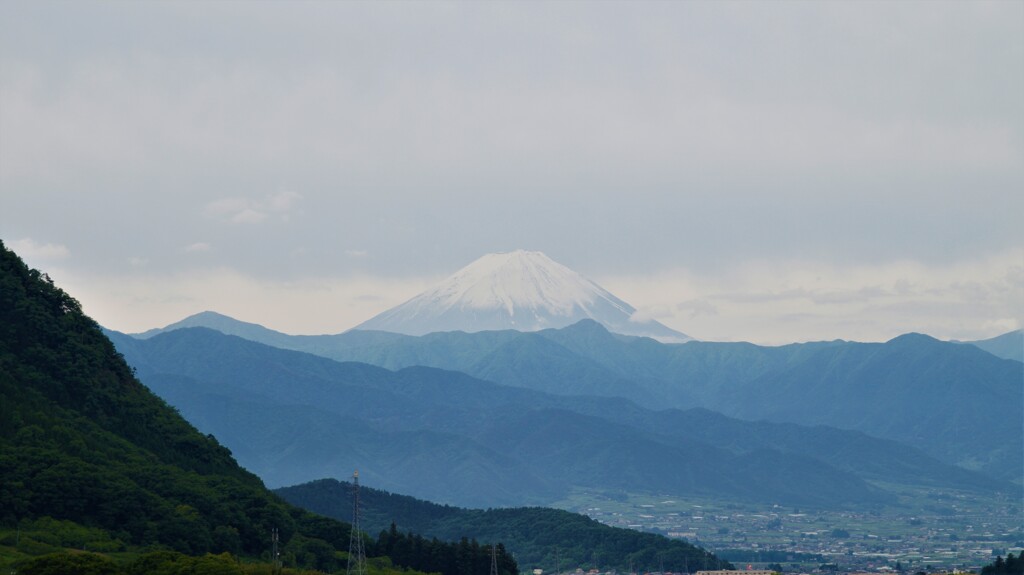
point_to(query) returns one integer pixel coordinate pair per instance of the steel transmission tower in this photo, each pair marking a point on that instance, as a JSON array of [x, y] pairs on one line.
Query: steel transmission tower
[[276, 554], [356, 549]]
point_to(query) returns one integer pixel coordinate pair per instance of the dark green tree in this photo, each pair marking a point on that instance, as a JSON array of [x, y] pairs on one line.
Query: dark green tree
[[65, 563], [1010, 566]]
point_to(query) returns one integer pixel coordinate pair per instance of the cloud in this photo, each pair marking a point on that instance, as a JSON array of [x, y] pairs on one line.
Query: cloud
[[30, 249], [225, 207], [628, 136], [135, 302], [696, 307], [197, 247], [648, 313], [1002, 325], [574, 103], [239, 210], [766, 302], [779, 301], [282, 202], [248, 216]]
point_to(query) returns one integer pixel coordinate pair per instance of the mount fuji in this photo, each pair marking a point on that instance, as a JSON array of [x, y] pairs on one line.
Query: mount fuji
[[520, 290]]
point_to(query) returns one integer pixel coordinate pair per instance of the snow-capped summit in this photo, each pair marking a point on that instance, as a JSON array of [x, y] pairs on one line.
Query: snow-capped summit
[[520, 290]]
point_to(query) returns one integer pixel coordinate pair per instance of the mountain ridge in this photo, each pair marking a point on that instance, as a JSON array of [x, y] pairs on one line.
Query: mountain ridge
[[719, 375], [494, 419], [1009, 345]]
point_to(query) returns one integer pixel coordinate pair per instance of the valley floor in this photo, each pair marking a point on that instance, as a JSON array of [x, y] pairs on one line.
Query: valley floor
[[927, 530]]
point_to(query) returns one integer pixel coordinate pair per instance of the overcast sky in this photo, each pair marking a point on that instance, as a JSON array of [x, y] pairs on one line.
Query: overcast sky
[[765, 171]]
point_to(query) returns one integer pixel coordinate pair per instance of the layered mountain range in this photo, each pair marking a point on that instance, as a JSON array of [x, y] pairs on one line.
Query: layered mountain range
[[453, 438], [955, 402], [517, 380]]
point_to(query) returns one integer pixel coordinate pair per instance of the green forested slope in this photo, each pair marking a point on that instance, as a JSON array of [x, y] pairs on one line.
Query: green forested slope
[[82, 439], [536, 535], [91, 458]]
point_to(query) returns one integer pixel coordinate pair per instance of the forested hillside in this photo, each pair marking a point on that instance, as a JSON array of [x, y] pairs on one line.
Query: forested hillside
[[537, 536], [90, 458]]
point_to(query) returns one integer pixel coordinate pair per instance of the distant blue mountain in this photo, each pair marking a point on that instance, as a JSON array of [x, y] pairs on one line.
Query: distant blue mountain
[[1010, 345], [441, 435], [955, 402]]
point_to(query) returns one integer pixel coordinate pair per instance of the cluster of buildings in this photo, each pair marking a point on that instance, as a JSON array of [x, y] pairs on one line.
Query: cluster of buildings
[[964, 537]]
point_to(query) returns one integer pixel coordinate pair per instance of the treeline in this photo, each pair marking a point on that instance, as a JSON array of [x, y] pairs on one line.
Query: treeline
[[165, 563], [44, 543], [467, 557], [1009, 566], [156, 563], [552, 538], [540, 537]]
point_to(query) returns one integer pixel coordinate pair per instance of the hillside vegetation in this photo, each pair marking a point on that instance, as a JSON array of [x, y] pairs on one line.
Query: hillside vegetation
[[538, 536], [91, 459]]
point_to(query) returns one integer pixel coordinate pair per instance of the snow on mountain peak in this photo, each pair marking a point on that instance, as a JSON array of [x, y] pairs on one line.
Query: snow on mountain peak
[[521, 290], [520, 280]]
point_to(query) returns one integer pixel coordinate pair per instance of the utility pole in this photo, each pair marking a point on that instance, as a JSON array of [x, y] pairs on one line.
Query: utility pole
[[356, 549], [494, 559]]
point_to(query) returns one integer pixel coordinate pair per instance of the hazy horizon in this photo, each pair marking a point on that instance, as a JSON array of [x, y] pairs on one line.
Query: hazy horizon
[[766, 172]]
